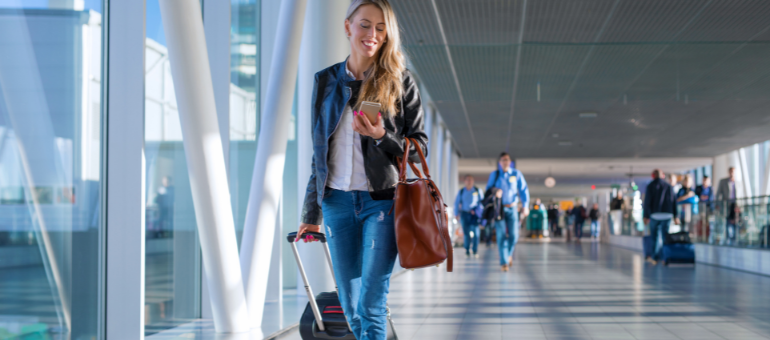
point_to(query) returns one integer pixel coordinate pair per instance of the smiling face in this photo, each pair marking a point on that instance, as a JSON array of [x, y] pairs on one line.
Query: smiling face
[[366, 31]]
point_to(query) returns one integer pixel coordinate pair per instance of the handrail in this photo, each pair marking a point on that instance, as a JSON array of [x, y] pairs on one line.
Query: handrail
[[742, 222]]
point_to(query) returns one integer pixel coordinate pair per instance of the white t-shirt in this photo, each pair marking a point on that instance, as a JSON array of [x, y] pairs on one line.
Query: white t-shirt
[[346, 160]]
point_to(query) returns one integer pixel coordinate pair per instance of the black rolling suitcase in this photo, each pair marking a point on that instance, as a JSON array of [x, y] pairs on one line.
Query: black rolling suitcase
[[323, 317]]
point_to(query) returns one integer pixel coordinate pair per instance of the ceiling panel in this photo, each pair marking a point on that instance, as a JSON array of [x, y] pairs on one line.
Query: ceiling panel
[[665, 77]]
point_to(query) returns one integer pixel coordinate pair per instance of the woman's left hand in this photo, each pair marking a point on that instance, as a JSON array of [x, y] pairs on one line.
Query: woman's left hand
[[364, 127]]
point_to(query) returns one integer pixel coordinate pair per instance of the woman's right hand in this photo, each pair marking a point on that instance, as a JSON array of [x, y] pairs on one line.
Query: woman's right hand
[[305, 227]]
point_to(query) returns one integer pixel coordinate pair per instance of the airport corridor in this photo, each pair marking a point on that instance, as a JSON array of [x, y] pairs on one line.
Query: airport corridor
[[569, 291]]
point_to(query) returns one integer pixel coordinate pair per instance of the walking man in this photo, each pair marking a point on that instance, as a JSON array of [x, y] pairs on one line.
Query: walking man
[[659, 209], [468, 205], [514, 188]]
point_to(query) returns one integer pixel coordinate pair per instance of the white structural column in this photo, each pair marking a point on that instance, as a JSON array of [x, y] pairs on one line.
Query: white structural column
[[267, 178], [323, 44], [437, 148], [124, 136], [182, 22], [216, 24], [744, 172], [766, 176]]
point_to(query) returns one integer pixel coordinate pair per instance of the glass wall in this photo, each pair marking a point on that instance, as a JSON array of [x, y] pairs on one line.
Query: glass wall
[[172, 250], [50, 169]]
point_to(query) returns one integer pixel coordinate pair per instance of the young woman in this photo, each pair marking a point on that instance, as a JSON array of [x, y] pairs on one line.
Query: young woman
[[354, 169]]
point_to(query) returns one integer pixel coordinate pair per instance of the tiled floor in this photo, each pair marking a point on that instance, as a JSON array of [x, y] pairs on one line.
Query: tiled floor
[[588, 291], [567, 291]]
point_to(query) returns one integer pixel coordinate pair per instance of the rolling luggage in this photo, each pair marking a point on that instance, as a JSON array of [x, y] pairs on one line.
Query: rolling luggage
[[323, 317], [678, 248], [678, 253]]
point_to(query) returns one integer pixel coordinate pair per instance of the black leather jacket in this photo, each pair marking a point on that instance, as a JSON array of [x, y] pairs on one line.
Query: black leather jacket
[[333, 90]]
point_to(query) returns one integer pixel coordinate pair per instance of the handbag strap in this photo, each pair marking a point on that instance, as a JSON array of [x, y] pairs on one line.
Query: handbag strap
[[405, 159]]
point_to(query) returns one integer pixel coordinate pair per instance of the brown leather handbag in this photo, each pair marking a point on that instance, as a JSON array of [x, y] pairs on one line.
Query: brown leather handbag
[[422, 233]]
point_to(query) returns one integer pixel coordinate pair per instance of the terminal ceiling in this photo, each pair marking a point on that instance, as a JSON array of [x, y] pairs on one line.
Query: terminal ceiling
[[665, 78]]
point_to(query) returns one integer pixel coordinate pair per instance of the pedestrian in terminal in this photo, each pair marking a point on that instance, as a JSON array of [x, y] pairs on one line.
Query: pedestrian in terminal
[[727, 191], [493, 211], [734, 218], [515, 190], [553, 220], [468, 205], [659, 210], [617, 206], [687, 202], [705, 193], [354, 168], [537, 221], [594, 216], [579, 213], [673, 179]]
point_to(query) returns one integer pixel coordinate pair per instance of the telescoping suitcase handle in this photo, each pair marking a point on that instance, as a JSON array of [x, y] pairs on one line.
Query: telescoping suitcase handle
[[319, 236], [311, 298]]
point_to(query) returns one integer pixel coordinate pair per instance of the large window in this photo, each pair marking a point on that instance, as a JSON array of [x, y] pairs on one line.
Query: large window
[[50, 169], [172, 251]]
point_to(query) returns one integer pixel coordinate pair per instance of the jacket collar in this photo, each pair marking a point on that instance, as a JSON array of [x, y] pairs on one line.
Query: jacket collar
[[343, 74]]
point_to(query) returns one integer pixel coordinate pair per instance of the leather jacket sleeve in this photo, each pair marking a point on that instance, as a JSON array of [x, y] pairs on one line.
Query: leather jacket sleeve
[[414, 123], [311, 210]]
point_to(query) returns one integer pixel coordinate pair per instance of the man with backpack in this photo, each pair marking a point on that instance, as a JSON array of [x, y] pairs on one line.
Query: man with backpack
[[659, 210], [514, 189], [468, 205]]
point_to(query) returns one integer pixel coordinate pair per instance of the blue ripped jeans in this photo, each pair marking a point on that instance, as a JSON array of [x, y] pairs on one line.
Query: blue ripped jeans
[[362, 241], [469, 224], [507, 234]]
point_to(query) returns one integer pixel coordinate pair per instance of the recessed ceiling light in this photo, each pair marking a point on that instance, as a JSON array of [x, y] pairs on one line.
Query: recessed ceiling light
[[565, 143], [555, 135], [588, 115]]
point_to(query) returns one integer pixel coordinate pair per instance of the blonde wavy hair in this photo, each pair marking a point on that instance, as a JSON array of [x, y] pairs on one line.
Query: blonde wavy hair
[[383, 83]]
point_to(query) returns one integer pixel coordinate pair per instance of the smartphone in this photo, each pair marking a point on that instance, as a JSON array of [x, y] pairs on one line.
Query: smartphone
[[371, 109]]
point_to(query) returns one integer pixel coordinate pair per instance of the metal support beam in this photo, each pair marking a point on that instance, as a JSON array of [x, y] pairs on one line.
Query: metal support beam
[[183, 24], [267, 178], [125, 170]]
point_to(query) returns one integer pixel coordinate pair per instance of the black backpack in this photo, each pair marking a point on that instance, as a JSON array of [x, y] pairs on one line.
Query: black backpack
[[490, 192]]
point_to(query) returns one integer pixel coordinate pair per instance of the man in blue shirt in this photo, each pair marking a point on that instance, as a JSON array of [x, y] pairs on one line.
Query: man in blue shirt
[[468, 206], [705, 193], [515, 190]]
